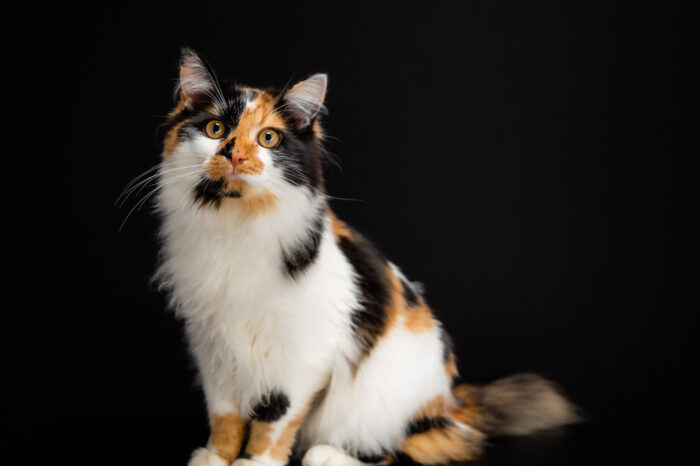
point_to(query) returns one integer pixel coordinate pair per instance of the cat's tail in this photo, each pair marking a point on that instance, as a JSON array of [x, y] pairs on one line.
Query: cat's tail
[[521, 404], [517, 405]]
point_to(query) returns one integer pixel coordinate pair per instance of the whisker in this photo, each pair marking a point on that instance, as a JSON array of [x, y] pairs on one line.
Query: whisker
[[126, 193], [137, 178], [161, 184]]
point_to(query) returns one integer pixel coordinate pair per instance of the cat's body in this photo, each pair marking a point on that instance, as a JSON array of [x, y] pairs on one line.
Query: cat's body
[[304, 335]]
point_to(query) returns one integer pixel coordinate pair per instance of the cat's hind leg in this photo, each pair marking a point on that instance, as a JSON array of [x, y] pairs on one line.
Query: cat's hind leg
[[441, 441]]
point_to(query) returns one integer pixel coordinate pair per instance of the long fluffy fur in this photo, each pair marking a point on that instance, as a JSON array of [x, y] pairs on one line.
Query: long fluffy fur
[[521, 404]]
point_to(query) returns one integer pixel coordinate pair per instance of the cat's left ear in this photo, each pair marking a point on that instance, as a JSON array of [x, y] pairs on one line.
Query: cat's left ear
[[196, 80], [304, 101]]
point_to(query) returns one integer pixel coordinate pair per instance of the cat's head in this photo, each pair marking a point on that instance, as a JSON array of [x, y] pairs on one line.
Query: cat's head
[[232, 143]]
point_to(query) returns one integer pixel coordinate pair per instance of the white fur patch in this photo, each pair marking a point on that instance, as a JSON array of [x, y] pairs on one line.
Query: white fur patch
[[368, 413], [257, 462], [328, 455], [204, 457]]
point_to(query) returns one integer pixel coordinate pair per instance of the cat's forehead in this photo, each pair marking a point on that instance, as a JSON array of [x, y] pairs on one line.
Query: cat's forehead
[[237, 95], [244, 101]]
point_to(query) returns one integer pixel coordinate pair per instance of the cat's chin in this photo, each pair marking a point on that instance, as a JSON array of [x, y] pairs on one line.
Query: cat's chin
[[232, 176], [233, 184]]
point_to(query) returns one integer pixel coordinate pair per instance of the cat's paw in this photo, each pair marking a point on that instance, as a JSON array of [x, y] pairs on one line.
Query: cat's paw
[[250, 462], [327, 455], [244, 462], [204, 457]]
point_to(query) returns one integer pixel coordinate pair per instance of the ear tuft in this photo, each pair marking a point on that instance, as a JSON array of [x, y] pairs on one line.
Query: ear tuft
[[304, 101], [196, 81]]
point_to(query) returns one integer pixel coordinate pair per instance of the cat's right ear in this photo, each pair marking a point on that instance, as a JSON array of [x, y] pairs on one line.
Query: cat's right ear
[[196, 81]]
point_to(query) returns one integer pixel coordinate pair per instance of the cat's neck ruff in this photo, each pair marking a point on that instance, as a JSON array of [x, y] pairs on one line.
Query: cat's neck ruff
[[282, 217], [223, 251]]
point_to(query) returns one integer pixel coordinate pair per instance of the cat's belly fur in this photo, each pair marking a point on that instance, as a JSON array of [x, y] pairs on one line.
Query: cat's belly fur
[[252, 330]]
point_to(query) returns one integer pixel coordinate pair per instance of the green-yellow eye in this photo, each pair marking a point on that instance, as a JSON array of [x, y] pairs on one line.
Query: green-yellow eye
[[269, 138], [215, 129]]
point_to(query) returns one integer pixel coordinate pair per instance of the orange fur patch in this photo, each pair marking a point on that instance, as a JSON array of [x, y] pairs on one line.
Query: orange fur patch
[[258, 115], [260, 440], [318, 129], [437, 407], [419, 319], [416, 318], [283, 446], [338, 227], [258, 205], [236, 185], [397, 305], [440, 446], [171, 139], [227, 433], [250, 167], [465, 407], [217, 167]]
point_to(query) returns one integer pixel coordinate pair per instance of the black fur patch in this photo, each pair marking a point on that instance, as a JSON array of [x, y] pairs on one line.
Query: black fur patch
[[177, 118], [408, 294], [371, 459], [403, 458], [303, 255], [272, 407], [227, 150], [299, 156], [209, 192], [300, 153], [370, 319], [425, 424]]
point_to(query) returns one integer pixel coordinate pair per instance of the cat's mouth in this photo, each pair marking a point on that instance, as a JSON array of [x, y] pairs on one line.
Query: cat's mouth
[[220, 180]]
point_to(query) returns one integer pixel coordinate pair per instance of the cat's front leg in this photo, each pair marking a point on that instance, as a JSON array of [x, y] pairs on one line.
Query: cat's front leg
[[227, 431], [273, 428], [227, 426]]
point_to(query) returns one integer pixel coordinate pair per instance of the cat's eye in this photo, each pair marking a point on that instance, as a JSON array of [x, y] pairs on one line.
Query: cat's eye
[[215, 129], [269, 138]]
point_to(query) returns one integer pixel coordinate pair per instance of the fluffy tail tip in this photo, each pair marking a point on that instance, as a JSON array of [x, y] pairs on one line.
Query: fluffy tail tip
[[523, 404]]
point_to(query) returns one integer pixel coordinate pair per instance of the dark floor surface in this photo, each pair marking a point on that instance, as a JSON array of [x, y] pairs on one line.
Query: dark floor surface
[[163, 440]]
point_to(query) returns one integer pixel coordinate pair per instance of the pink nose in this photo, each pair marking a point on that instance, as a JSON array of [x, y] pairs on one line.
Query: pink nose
[[238, 158]]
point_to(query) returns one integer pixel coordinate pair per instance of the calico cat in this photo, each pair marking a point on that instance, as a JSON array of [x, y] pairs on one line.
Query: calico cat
[[307, 339]]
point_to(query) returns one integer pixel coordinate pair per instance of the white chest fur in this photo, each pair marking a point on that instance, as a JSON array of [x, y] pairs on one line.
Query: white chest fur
[[249, 324]]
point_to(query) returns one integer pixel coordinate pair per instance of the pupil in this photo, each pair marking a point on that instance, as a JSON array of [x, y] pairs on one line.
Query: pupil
[[216, 128], [268, 137]]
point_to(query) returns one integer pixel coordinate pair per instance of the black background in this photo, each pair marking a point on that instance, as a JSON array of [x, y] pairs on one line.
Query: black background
[[529, 162]]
